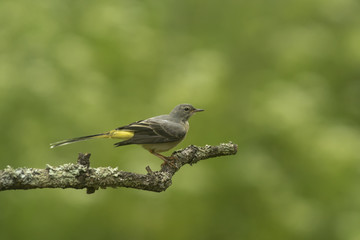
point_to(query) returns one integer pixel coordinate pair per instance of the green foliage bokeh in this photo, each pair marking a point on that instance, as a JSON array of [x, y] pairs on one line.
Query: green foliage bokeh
[[279, 78]]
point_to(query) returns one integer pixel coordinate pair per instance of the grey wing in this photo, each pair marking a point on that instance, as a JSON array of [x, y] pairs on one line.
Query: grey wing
[[154, 131]]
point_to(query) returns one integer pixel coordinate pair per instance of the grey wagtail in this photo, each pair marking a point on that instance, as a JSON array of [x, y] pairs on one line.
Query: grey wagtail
[[156, 134]]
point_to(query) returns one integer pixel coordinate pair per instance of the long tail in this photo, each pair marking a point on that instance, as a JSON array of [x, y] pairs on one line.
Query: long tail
[[115, 134]]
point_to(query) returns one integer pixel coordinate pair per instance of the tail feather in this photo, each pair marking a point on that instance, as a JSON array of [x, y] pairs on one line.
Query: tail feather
[[115, 134], [78, 139]]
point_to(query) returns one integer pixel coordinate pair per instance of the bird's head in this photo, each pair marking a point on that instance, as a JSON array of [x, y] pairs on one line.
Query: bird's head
[[184, 111]]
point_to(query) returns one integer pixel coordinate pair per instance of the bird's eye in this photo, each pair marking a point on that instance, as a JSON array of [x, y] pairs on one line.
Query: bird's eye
[[186, 109]]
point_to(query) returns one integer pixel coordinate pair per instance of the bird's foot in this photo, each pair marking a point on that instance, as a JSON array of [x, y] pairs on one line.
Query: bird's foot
[[169, 161]]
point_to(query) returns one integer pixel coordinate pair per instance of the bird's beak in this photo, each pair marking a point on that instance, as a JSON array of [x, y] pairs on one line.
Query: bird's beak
[[198, 110]]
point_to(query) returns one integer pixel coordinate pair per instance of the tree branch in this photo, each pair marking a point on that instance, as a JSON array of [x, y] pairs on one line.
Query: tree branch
[[81, 175]]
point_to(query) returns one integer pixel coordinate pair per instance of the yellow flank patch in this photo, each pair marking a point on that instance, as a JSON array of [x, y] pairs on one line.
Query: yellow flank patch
[[119, 134]]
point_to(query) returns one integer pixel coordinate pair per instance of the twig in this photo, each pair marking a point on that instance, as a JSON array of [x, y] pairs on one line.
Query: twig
[[81, 175]]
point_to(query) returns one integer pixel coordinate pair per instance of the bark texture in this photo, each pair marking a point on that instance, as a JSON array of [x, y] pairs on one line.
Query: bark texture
[[81, 176]]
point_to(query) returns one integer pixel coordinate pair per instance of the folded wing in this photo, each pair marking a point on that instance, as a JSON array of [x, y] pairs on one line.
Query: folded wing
[[153, 131]]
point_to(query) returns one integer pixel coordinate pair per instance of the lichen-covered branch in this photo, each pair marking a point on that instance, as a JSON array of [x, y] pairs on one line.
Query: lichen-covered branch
[[81, 175]]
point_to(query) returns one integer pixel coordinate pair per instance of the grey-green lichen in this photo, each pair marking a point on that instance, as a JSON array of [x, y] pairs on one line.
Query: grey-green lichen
[[81, 176]]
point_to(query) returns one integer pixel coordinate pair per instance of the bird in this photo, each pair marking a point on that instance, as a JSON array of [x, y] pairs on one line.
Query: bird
[[156, 134]]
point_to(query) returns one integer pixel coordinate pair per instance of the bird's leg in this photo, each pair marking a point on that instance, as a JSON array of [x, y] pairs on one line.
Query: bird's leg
[[167, 160]]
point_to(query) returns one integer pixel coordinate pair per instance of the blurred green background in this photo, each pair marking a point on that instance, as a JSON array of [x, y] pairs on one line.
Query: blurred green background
[[279, 78]]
